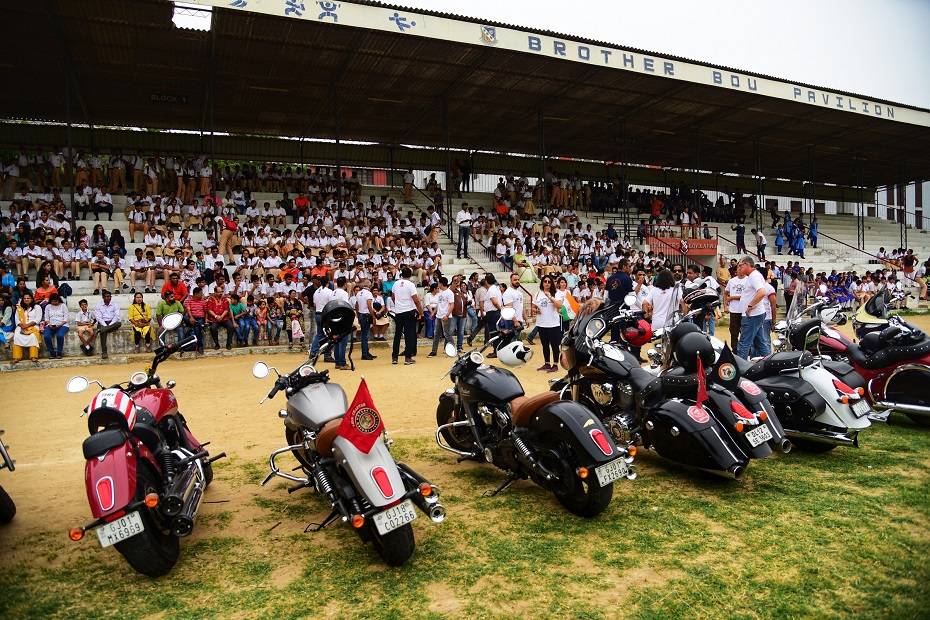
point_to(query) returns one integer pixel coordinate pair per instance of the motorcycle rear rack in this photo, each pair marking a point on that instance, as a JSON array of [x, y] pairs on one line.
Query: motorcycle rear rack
[[442, 445], [276, 471]]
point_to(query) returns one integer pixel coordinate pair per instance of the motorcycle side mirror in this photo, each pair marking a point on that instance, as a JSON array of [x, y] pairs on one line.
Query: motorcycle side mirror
[[823, 289], [450, 350], [629, 300], [260, 370], [508, 314], [172, 321], [77, 384]]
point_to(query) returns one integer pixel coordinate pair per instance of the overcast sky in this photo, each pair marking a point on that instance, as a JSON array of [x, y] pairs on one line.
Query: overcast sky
[[879, 48]]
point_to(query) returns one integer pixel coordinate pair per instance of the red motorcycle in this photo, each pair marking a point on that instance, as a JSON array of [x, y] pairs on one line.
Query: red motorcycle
[[146, 473], [894, 364]]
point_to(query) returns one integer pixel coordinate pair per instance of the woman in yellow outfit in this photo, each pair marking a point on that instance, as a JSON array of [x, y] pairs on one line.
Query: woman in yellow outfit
[[26, 336], [140, 317]]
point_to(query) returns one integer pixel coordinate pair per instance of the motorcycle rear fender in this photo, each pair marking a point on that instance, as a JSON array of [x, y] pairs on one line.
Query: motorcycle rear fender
[[110, 479], [700, 444], [360, 467], [573, 422], [835, 413], [721, 400]]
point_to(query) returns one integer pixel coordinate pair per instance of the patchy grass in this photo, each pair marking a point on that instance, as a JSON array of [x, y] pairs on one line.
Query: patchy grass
[[833, 535]]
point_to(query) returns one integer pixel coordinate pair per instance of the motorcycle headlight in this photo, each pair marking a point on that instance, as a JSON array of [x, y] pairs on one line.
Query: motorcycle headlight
[[138, 378]]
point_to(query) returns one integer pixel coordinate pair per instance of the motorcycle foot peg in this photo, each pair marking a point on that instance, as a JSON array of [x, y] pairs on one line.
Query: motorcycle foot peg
[[219, 456]]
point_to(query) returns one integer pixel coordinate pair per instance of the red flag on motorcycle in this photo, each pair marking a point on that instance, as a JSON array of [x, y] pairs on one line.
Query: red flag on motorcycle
[[362, 424], [702, 383]]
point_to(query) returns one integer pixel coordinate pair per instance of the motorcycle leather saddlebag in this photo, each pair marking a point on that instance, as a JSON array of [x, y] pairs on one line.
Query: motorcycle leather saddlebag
[[690, 435], [793, 398], [845, 373]]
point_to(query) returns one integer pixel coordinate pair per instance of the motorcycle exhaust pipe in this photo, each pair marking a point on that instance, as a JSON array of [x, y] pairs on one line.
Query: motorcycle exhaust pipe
[[903, 408], [181, 488], [183, 524], [785, 445], [631, 474], [437, 513], [827, 437], [737, 471]]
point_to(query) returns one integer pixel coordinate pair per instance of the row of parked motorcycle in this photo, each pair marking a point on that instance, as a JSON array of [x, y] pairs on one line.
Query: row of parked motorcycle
[[694, 403]]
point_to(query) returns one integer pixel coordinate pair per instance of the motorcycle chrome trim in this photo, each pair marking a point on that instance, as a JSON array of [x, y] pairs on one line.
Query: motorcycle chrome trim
[[276, 471], [440, 443], [832, 438], [723, 443]]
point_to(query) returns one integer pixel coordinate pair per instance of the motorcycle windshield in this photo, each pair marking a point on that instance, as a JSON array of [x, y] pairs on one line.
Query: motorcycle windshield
[[799, 303]]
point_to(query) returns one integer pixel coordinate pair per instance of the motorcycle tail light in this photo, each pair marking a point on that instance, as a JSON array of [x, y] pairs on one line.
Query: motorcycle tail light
[[842, 388], [582, 472], [380, 476], [76, 533], [602, 442], [739, 410], [358, 521]]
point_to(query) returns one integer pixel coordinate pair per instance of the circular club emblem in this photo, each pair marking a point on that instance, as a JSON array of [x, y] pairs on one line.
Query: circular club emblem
[[366, 420], [698, 414], [749, 387], [726, 372]]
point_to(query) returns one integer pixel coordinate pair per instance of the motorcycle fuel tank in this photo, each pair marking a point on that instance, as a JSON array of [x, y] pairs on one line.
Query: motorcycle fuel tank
[[159, 401], [317, 404], [491, 384]]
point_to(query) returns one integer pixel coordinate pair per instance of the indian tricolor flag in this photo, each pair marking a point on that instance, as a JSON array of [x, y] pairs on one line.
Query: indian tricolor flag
[[569, 307]]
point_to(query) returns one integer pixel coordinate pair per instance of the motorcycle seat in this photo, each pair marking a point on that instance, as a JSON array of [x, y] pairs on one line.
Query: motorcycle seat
[[774, 364], [101, 442], [325, 437], [888, 355], [676, 383], [522, 408]]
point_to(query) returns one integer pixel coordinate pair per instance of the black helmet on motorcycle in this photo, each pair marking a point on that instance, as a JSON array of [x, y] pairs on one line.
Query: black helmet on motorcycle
[[689, 347], [338, 317], [680, 330]]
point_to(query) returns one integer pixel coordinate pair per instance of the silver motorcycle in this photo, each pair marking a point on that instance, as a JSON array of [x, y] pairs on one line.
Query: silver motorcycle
[[343, 453]]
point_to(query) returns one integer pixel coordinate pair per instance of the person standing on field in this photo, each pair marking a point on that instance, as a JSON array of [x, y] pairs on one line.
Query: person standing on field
[[407, 311]]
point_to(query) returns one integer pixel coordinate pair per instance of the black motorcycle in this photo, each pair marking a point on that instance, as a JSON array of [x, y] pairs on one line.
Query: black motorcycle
[[694, 418], [7, 507], [560, 445]]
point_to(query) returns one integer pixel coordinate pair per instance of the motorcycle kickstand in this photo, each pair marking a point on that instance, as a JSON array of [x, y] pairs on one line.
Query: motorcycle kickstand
[[504, 486], [316, 527]]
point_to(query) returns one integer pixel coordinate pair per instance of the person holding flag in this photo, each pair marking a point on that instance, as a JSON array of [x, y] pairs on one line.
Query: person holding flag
[[569, 305], [549, 324]]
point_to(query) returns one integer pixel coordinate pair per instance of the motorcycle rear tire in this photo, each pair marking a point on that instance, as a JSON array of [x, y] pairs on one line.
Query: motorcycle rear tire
[[154, 552], [459, 438], [395, 547], [585, 498], [814, 447], [7, 507]]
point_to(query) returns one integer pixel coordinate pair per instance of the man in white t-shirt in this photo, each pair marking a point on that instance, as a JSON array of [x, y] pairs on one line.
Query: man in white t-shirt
[[408, 187], [491, 305], [407, 311], [464, 219], [364, 306], [753, 320], [732, 297], [444, 299], [322, 296]]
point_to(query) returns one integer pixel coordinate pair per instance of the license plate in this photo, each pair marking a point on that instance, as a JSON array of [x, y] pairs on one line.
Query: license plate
[[395, 517], [125, 527], [861, 408], [611, 471], [758, 435]]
